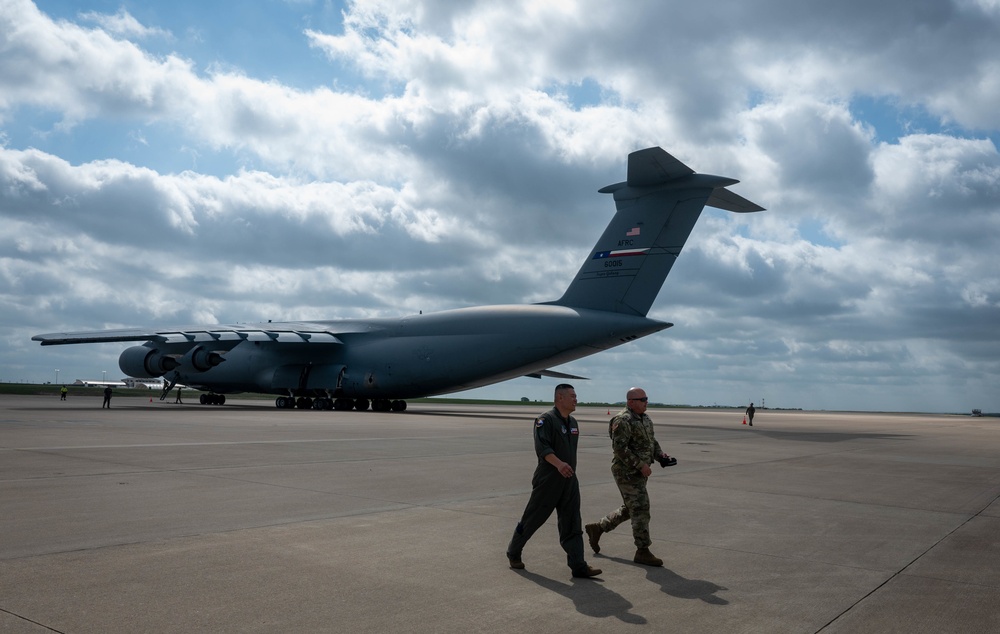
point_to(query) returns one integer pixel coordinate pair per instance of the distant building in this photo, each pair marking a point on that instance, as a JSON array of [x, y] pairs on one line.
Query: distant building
[[96, 383]]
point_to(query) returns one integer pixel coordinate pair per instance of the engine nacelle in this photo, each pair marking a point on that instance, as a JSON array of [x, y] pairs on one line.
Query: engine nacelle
[[201, 359], [141, 361]]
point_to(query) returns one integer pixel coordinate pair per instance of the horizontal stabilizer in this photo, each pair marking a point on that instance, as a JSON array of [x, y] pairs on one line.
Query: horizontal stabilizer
[[555, 375], [724, 199]]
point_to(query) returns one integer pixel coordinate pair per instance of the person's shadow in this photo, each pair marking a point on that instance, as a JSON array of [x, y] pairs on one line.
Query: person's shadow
[[675, 585], [590, 598]]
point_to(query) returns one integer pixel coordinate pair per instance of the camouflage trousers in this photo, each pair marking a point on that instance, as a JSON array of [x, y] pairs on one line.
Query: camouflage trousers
[[635, 506]]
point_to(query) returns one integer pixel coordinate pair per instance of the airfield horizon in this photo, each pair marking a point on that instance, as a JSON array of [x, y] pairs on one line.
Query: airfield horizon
[[52, 389]]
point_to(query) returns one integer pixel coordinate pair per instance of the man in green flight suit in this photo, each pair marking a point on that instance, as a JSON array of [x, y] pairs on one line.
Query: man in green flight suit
[[554, 486], [635, 448]]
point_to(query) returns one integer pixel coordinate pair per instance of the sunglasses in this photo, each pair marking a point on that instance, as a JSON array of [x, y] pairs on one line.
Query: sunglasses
[[644, 399]]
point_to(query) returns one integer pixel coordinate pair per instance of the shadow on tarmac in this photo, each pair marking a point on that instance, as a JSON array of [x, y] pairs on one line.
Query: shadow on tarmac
[[590, 598], [675, 585]]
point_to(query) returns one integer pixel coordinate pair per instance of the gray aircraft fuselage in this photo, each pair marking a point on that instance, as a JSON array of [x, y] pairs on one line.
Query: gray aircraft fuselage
[[347, 363], [420, 355]]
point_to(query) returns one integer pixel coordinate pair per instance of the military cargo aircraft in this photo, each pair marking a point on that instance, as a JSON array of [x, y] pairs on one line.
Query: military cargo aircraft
[[360, 363]]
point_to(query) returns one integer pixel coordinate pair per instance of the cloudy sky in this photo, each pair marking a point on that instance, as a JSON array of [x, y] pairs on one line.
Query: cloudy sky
[[167, 163]]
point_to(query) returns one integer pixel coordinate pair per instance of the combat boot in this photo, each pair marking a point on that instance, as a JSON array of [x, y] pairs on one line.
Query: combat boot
[[586, 572], [646, 558], [594, 532], [515, 562]]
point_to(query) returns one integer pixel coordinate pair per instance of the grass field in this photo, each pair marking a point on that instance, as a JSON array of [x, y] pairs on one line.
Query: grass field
[[52, 389]]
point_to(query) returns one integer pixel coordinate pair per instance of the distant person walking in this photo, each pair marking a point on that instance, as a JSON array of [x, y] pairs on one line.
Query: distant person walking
[[178, 399], [635, 448], [63, 392], [750, 413], [107, 398], [554, 485]]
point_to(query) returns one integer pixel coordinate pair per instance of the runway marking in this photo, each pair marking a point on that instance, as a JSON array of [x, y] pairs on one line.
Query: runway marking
[[227, 442]]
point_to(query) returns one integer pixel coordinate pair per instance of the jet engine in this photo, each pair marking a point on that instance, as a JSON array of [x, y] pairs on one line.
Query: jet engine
[[143, 361], [201, 359]]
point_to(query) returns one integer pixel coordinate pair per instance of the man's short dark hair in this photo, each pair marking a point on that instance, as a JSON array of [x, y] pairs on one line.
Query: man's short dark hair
[[562, 387]]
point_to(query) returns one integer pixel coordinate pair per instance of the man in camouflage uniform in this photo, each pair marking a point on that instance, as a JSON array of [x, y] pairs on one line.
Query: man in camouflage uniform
[[635, 448], [554, 486]]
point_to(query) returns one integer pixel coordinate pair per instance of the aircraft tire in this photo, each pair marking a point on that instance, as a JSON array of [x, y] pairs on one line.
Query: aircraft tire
[[399, 406], [343, 404], [361, 404], [280, 402], [203, 399]]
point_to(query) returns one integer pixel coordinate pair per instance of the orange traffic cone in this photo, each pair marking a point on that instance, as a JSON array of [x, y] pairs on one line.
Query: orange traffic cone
[[744, 420]]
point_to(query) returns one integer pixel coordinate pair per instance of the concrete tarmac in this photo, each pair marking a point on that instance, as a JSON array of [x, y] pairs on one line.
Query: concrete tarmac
[[155, 517]]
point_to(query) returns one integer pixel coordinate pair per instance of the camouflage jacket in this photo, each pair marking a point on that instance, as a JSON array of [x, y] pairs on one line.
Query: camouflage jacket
[[633, 443]]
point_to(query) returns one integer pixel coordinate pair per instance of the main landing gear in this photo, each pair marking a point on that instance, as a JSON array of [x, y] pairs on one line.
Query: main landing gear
[[340, 404], [212, 399]]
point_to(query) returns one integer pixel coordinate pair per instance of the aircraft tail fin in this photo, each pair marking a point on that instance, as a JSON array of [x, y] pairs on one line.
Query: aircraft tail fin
[[657, 207]]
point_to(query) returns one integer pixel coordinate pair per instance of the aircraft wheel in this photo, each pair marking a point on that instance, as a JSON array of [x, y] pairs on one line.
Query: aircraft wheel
[[280, 402], [381, 405], [222, 399], [361, 404], [343, 404], [203, 399], [399, 406]]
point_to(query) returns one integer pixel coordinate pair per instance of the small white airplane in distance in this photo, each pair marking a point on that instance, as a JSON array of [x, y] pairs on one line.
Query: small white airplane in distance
[[354, 364]]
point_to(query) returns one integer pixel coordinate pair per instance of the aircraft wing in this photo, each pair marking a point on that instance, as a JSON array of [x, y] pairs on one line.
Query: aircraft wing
[[291, 332]]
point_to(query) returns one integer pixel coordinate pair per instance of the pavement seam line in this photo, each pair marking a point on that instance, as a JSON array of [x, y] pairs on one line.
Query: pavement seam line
[[913, 561]]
